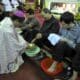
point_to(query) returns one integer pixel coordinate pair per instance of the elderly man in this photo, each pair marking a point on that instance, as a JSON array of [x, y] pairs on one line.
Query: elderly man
[[12, 45]]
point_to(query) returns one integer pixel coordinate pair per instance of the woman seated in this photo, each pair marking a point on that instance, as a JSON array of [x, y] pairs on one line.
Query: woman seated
[[31, 26]]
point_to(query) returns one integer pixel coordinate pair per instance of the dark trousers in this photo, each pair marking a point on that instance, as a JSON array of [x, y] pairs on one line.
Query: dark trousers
[[62, 50], [76, 59]]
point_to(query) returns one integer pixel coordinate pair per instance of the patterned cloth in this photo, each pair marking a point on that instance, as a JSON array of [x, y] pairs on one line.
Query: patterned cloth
[[11, 47]]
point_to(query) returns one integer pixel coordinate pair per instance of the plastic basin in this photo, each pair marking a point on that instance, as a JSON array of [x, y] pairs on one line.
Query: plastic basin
[[46, 63], [32, 52]]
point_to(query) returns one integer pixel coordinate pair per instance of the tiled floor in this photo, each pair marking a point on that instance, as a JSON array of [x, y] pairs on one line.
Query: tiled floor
[[28, 71]]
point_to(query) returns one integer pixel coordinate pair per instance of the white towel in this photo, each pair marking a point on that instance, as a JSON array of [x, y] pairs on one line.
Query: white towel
[[54, 38]]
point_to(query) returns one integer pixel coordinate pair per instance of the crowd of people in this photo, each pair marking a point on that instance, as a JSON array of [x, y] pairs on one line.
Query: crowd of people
[[14, 44]]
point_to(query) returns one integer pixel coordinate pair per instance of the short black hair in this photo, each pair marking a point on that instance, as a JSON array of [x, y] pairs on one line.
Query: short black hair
[[45, 10], [67, 17], [30, 11]]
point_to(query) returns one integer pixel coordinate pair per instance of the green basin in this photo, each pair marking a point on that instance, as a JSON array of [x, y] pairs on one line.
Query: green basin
[[32, 52]]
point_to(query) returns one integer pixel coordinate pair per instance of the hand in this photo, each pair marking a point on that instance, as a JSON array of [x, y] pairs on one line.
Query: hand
[[30, 45], [33, 40], [66, 40], [63, 39], [38, 36], [31, 25]]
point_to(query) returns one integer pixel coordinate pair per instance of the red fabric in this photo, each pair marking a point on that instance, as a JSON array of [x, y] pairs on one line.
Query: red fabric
[[39, 18]]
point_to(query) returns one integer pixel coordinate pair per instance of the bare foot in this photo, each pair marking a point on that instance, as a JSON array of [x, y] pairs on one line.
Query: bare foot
[[52, 67]]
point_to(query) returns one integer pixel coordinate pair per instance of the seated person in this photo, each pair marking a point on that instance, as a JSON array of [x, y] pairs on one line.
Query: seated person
[[50, 25], [12, 45], [69, 30], [68, 46], [30, 26]]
